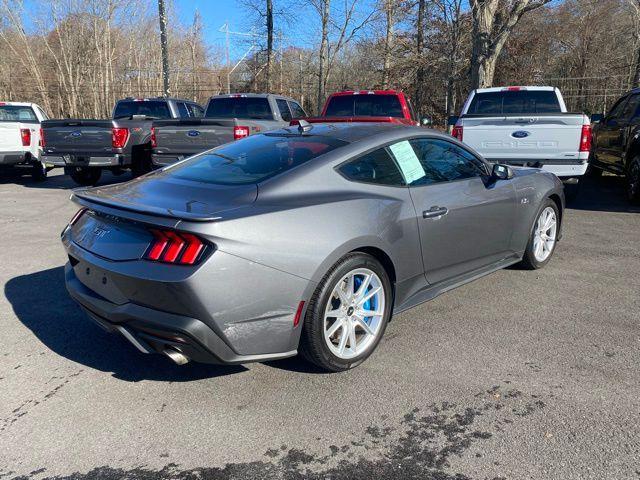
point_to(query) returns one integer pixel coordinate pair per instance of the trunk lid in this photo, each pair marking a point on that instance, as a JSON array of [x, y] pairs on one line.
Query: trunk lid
[[157, 194], [543, 137], [77, 136]]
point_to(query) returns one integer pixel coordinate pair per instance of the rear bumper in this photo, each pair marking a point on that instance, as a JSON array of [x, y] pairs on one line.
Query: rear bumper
[[220, 312], [12, 158], [160, 160], [88, 160], [561, 168]]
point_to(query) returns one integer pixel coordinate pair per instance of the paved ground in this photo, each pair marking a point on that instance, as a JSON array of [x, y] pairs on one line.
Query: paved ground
[[518, 375]]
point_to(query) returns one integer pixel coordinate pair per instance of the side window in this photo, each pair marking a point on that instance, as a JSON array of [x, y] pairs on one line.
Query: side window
[[296, 110], [42, 114], [182, 110], [631, 107], [616, 110], [375, 167], [284, 109], [195, 111], [443, 161]]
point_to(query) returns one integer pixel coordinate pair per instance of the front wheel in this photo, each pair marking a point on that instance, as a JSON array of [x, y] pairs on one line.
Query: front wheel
[[347, 314], [544, 237], [633, 181], [85, 176]]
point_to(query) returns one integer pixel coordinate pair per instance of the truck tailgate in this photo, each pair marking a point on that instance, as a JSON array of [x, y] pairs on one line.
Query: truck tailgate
[[534, 137], [84, 136], [192, 137], [10, 139]]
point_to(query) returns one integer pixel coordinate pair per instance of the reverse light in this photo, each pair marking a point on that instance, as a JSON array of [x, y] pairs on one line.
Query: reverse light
[[119, 137], [25, 135], [585, 138], [154, 141], [240, 132], [169, 246], [457, 132]]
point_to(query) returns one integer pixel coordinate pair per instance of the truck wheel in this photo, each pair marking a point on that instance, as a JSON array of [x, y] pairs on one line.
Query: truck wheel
[[633, 181], [38, 171], [571, 191], [85, 176]]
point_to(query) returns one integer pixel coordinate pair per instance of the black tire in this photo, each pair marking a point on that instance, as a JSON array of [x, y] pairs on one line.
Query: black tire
[[529, 261], [633, 181], [594, 172], [141, 160], [85, 176], [571, 191], [312, 343], [38, 171]]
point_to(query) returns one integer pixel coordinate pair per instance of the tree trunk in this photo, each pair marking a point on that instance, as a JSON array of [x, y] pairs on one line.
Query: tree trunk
[[324, 44], [420, 72], [162, 14], [388, 43], [269, 42], [636, 74]]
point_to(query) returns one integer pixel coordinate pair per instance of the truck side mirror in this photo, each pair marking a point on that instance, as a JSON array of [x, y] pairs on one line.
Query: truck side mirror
[[452, 120], [597, 117], [426, 121]]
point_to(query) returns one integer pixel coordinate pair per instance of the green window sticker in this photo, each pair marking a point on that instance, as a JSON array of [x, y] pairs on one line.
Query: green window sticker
[[408, 162]]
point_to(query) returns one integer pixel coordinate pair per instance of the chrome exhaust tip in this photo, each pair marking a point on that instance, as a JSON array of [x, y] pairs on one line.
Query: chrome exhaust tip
[[178, 357]]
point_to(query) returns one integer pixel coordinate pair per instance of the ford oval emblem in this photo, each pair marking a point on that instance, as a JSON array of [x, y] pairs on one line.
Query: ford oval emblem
[[520, 134], [77, 133], [193, 133]]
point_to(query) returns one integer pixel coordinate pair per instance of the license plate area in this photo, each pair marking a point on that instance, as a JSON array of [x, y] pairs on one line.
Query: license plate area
[[99, 281]]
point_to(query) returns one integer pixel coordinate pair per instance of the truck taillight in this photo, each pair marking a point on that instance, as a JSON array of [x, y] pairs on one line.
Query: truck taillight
[[180, 248], [42, 142], [240, 132], [585, 138], [25, 134], [457, 132], [154, 141], [119, 137]]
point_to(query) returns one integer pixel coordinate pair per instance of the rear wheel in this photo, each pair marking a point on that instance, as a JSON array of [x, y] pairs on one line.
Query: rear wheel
[[85, 176], [633, 181], [347, 314], [38, 171], [141, 160], [544, 236]]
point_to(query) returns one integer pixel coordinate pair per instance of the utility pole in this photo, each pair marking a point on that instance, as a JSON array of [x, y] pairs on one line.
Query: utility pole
[[162, 13]]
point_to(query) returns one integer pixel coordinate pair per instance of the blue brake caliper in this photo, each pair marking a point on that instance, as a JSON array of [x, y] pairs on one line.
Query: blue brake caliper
[[370, 304]]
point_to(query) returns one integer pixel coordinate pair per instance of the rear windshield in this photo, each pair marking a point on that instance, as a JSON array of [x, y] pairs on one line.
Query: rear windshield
[[151, 108], [253, 159], [522, 101], [364, 105], [255, 108], [15, 113]]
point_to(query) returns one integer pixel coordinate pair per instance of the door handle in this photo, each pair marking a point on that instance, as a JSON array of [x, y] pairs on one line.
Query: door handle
[[435, 211]]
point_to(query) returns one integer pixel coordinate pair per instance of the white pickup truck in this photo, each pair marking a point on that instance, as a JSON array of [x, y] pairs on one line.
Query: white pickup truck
[[21, 138], [527, 126]]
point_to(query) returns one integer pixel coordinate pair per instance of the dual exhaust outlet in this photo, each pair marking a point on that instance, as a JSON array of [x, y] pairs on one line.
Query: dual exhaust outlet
[[174, 354]]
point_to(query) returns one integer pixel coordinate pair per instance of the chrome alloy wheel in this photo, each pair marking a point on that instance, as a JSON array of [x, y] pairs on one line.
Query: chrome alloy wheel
[[354, 312], [544, 236]]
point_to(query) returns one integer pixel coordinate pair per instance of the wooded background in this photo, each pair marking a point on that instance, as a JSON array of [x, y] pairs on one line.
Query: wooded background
[[77, 57]]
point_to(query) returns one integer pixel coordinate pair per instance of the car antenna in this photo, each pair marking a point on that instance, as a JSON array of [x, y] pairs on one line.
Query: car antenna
[[304, 126]]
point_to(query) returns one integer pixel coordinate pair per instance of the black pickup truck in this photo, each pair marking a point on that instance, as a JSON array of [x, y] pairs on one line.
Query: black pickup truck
[[228, 117], [616, 143], [86, 147]]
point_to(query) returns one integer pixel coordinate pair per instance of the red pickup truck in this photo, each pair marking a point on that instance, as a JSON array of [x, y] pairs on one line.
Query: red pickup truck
[[390, 106]]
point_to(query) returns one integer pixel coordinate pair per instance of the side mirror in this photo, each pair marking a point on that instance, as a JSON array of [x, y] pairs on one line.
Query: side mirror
[[502, 172], [426, 121], [452, 120], [597, 117]]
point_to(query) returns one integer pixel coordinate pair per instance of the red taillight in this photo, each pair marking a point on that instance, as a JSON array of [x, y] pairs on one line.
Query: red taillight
[[119, 137], [457, 132], [42, 142], [296, 319], [174, 247], [154, 142], [240, 132], [77, 216], [25, 134], [585, 139]]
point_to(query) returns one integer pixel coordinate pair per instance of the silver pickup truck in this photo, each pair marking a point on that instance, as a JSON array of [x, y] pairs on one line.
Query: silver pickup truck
[[227, 118]]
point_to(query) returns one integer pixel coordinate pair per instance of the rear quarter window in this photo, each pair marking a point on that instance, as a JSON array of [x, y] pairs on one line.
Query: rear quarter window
[[150, 108], [15, 113], [255, 108], [375, 167], [364, 105]]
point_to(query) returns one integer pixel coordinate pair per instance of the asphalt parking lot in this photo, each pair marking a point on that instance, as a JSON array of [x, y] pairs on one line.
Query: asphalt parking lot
[[517, 375]]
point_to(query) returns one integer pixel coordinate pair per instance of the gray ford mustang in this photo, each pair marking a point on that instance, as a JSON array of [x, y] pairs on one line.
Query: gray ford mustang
[[305, 239]]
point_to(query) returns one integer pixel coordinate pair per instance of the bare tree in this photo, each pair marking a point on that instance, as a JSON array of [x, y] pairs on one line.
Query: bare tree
[[493, 21], [635, 5], [269, 19]]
